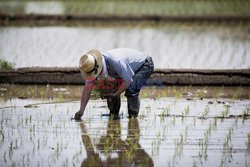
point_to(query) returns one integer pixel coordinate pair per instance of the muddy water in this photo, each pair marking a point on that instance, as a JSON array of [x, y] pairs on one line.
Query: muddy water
[[171, 46], [168, 132]]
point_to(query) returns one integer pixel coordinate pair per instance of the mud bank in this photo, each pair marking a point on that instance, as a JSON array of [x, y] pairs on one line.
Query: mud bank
[[55, 75], [47, 19]]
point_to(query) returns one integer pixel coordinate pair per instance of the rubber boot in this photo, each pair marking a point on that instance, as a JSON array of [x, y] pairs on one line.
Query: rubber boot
[[133, 106], [114, 105]]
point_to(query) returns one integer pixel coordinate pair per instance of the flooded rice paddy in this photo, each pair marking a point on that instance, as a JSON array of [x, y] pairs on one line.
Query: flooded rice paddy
[[181, 129], [202, 46]]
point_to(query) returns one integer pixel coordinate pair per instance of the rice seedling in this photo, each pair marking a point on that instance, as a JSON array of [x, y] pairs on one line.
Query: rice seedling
[[10, 151], [227, 148], [248, 142], [4, 157], [165, 112], [205, 113], [186, 133], [225, 112], [38, 144], [179, 147], [66, 163], [156, 145], [173, 121], [203, 143], [185, 113], [215, 123], [245, 113], [58, 150], [148, 109], [2, 136], [194, 121]]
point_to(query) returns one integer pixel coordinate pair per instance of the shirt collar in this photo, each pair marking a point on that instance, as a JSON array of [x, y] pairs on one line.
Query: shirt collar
[[104, 66]]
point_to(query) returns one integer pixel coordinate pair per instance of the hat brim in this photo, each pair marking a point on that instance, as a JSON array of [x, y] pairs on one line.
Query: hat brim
[[98, 56]]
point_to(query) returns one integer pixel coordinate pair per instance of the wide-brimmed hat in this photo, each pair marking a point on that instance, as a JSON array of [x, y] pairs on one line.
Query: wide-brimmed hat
[[90, 64]]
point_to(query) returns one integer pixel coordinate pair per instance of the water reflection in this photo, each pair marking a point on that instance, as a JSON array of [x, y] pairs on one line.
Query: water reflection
[[118, 152]]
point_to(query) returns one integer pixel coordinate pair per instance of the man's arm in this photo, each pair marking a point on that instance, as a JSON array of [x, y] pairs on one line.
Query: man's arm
[[123, 87], [84, 101], [119, 91], [125, 72]]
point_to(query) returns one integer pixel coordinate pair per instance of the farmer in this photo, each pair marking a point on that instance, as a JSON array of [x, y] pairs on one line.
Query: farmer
[[132, 67]]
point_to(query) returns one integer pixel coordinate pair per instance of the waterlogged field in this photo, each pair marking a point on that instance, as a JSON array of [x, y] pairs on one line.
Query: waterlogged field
[[171, 45], [180, 129]]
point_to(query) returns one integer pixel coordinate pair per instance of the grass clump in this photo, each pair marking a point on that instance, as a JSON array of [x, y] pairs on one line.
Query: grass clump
[[165, 112], [205, 113], [248, 141], [5, 65]]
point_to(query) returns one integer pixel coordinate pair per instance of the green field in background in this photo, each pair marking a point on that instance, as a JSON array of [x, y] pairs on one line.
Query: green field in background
[[134, 7]]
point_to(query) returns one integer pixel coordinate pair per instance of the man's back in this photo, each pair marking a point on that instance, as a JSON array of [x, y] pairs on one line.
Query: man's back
[[124, 62]]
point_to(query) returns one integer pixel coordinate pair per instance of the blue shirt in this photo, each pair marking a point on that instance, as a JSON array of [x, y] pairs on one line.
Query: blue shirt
[[123, 63]]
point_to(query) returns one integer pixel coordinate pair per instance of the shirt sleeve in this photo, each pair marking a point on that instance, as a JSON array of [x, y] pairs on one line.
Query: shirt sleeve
[[89, 83], [124, 70]]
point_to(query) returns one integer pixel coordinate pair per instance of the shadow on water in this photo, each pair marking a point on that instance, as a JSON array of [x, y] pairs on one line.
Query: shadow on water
[[127, 152]]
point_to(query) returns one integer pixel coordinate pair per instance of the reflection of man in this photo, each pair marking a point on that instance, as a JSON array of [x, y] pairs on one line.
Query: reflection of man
[[132, 67], [129, 151], [93, 158]]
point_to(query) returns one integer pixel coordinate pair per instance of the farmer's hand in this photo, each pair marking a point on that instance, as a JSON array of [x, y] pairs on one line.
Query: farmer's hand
[[78, 115], [109, 95]]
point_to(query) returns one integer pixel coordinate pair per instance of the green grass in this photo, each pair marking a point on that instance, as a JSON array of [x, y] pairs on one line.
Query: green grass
[[5, 65], [139, 7]]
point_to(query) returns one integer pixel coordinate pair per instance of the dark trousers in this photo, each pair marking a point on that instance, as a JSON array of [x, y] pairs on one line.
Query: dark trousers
[[132, 92]]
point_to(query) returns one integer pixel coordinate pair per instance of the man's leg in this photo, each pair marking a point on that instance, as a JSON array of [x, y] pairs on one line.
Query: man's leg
[[114, 105], [132, 92], [133, 106]]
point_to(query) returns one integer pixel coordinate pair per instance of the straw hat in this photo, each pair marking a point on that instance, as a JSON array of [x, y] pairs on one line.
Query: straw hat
[[90, 64]]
